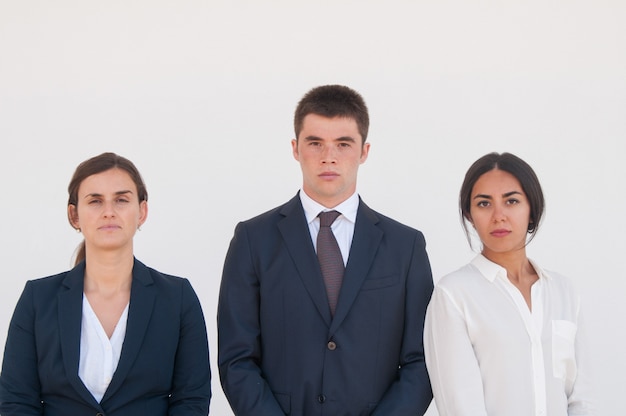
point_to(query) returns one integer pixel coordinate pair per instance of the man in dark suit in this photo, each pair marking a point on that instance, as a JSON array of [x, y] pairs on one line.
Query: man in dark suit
[[299, 338]]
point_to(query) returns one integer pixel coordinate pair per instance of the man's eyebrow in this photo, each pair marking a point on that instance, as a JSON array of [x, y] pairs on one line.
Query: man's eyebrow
[[338, 139], [345, 139], [97, 195]]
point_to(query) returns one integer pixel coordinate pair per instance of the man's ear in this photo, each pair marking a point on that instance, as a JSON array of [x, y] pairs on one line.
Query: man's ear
[[294, 149], [365, 151]]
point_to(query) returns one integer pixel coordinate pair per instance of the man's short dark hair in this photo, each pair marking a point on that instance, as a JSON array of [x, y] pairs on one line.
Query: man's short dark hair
[[333, 101]]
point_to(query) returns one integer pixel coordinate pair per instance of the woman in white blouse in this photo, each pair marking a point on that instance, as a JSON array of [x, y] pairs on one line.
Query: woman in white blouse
[[111, 336], [503, 337]]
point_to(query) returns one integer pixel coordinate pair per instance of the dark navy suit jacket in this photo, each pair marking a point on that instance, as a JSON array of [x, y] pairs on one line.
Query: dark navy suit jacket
[[163, 367], [280, 352]]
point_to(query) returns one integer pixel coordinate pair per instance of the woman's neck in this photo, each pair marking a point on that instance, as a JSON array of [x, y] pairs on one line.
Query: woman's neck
[[519, 271], [108, 272], [515, 262]]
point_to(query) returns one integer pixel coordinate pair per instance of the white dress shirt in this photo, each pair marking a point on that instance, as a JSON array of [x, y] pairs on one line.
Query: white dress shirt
[[99, 355], [342, 227], [487, 353]]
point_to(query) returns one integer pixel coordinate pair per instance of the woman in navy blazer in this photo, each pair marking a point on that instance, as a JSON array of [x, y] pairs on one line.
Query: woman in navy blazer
[[111, 337]]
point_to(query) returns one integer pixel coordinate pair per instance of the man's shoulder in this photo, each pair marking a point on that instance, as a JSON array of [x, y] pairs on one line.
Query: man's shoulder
[[384, 221], [275, 214]]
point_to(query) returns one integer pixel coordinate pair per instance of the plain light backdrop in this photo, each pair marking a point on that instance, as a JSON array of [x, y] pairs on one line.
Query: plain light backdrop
[[201, 94]]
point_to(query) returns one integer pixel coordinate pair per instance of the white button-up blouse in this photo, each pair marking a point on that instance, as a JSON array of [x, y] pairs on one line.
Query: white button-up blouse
[[487, 353]]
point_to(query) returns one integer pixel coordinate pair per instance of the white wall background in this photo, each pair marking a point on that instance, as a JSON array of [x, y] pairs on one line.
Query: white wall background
[[200, 95]]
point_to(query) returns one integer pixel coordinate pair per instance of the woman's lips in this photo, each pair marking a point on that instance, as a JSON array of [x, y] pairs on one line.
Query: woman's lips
[[500, 233]]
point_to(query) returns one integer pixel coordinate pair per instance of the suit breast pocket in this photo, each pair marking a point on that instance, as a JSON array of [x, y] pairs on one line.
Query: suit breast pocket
[[380, 282], [563, 350]]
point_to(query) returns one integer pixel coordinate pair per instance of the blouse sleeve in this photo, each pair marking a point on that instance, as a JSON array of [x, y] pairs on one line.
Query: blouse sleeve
[[450, 359], [580, 398]]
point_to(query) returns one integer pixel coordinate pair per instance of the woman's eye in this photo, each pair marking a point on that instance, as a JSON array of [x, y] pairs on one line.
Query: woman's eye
[[512, 201], [482, 204]]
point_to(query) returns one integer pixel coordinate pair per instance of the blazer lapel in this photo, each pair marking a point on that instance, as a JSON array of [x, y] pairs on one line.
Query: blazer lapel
[[142, 298], [70, 307], [365, 243], [295, 232]]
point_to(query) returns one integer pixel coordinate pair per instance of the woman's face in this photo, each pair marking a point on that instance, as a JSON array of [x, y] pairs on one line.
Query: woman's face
[[500, 213], [108, 211]]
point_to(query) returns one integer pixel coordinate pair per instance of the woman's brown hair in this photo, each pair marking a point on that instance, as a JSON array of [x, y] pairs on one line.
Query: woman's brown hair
[[95, 165]]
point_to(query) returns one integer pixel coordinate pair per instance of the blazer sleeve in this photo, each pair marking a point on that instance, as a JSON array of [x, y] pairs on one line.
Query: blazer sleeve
[[191, 387], [410, 393], [19, 382], [239, 332]]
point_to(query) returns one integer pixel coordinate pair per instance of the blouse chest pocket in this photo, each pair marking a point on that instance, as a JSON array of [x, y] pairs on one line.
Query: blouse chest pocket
[[563, 350]]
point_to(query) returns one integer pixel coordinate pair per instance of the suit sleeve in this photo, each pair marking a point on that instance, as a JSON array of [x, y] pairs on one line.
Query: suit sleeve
[[411, 393], [191, 389], [239, 332], [452, 364], [19, 383]]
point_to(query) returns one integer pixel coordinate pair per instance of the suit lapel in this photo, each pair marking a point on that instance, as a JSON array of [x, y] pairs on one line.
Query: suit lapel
[[295, 232], [363, 249], [142, 298], [70, 307]]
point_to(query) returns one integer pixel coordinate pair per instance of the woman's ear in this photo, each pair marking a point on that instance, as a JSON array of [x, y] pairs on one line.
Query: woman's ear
[[72, 216], [143, 212]]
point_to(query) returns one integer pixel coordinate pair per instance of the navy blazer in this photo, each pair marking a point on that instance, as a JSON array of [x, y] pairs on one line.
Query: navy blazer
[[164, 363], [280, 351]]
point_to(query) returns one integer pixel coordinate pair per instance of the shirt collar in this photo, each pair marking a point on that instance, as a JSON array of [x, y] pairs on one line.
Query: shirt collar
[[490, 270], [312, 208]]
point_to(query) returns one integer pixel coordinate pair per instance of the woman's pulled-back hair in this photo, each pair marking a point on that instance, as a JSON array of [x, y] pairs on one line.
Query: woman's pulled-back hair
[[512, 164], [99, 164]]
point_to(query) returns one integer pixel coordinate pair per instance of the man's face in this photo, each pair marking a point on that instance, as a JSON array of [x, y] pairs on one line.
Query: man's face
[[330, 151]]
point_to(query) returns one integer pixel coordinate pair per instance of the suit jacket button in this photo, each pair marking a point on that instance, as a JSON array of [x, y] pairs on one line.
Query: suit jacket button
[[99, 414], [321, 398], [331, 345]]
